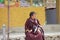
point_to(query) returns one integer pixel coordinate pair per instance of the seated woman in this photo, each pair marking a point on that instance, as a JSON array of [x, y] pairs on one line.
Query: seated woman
[[33, 30]]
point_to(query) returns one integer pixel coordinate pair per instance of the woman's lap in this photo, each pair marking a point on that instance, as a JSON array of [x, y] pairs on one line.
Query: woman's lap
[[31, 36]]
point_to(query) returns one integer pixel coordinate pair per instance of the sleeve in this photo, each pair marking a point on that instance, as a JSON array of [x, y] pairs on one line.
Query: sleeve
[[26, 25]]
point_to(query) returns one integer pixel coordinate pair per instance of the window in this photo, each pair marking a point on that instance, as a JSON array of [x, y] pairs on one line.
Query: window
[[37, 2], [24, 3]]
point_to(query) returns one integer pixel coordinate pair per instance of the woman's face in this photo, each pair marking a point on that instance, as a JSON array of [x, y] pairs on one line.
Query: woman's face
[[33, 16]]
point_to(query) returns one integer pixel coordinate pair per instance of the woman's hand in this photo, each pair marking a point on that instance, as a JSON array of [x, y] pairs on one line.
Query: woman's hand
[[40, 25], [39, 30], [28, 30]]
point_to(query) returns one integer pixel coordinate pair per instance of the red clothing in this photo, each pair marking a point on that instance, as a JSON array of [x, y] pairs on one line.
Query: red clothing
[[29, 35]]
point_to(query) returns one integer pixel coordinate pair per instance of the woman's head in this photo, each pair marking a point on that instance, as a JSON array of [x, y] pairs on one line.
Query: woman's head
[[32, 15]]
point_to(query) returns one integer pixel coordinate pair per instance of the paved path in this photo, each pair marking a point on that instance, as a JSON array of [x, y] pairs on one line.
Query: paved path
[[19, 35]]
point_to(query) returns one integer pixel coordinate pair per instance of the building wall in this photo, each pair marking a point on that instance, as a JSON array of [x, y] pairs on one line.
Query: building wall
[[18, 15], [3, 16]]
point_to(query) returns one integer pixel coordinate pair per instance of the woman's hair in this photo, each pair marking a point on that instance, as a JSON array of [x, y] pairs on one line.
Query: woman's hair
[[31, 13]]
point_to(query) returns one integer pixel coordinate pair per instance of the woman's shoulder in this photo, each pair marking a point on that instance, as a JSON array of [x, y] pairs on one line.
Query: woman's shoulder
[[28, 19]]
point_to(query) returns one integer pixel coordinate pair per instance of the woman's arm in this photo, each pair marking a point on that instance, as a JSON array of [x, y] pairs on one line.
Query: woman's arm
[[27, 24], [39, 23]]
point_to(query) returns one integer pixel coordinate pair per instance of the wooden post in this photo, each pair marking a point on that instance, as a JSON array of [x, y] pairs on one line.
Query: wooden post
[[44, 3], [8, 21], [58, 10], [31, 2]]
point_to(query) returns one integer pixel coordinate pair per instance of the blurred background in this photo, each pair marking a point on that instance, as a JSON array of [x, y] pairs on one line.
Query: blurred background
[[13, 14]]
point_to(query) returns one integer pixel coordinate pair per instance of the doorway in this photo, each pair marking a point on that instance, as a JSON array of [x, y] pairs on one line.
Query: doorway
[[51, 11]]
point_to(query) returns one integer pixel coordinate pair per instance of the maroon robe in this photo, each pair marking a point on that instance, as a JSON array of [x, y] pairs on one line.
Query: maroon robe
[[29, 35]]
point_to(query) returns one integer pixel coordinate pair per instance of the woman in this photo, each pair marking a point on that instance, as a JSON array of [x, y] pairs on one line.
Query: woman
[[33, 30]]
